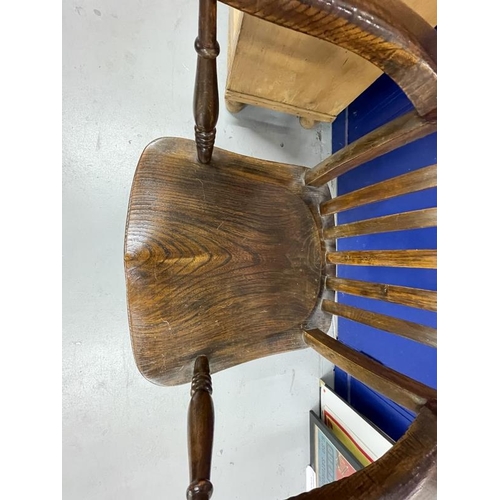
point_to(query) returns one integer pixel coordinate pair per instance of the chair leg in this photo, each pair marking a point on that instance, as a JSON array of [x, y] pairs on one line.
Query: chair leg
[[206, 97], [200, 432]]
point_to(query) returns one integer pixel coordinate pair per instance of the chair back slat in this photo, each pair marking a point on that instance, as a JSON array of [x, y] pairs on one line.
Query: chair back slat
[[382, 140], [407, 296], [415, 219], [408, 329], [423, 259], [411, 182], [402, 389]]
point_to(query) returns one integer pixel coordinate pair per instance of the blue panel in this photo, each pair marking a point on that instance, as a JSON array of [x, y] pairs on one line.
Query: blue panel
[[383, 102], [384, 413]]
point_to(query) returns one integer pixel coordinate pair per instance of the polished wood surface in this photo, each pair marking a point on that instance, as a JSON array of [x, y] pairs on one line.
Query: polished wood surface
[[206, 95], [397, 133], [407, 471], [415, 219], [222, 260], [423, 259], [413, 297], [387, 33], [411, 182], [420, 333], [396, 386], [200, 432]]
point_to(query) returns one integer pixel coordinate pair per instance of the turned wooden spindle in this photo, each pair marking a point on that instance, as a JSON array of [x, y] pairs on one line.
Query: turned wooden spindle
[[206, 97], [200, 432]]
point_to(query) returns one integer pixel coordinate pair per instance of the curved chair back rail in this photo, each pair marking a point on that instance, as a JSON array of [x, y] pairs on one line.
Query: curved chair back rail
[[236, 259]]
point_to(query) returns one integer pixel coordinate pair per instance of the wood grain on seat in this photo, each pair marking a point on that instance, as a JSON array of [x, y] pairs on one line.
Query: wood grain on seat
[[223, 261]]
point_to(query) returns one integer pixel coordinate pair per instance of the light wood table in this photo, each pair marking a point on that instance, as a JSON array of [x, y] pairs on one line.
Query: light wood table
[[287, 71]]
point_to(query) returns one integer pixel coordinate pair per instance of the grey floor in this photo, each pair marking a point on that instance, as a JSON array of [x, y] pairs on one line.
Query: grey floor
[[128, 70]]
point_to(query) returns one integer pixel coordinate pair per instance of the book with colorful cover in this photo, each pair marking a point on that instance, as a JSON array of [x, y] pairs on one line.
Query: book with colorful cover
[[363, 440], [330, 459]]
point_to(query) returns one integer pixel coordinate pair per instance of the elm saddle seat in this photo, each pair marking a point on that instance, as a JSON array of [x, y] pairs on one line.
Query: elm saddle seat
[[225, 260], [230, 258]]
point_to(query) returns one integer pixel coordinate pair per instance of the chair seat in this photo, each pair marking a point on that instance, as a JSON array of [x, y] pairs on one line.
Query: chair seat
[[222, 259]]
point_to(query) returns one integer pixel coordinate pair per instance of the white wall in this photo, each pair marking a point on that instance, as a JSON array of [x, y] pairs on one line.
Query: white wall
[[128, 69]]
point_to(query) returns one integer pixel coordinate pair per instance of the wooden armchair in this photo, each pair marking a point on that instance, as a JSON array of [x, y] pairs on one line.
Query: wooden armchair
[[230, 258]]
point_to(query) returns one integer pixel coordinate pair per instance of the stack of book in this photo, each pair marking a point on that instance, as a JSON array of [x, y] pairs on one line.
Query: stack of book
[[342, 440]]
